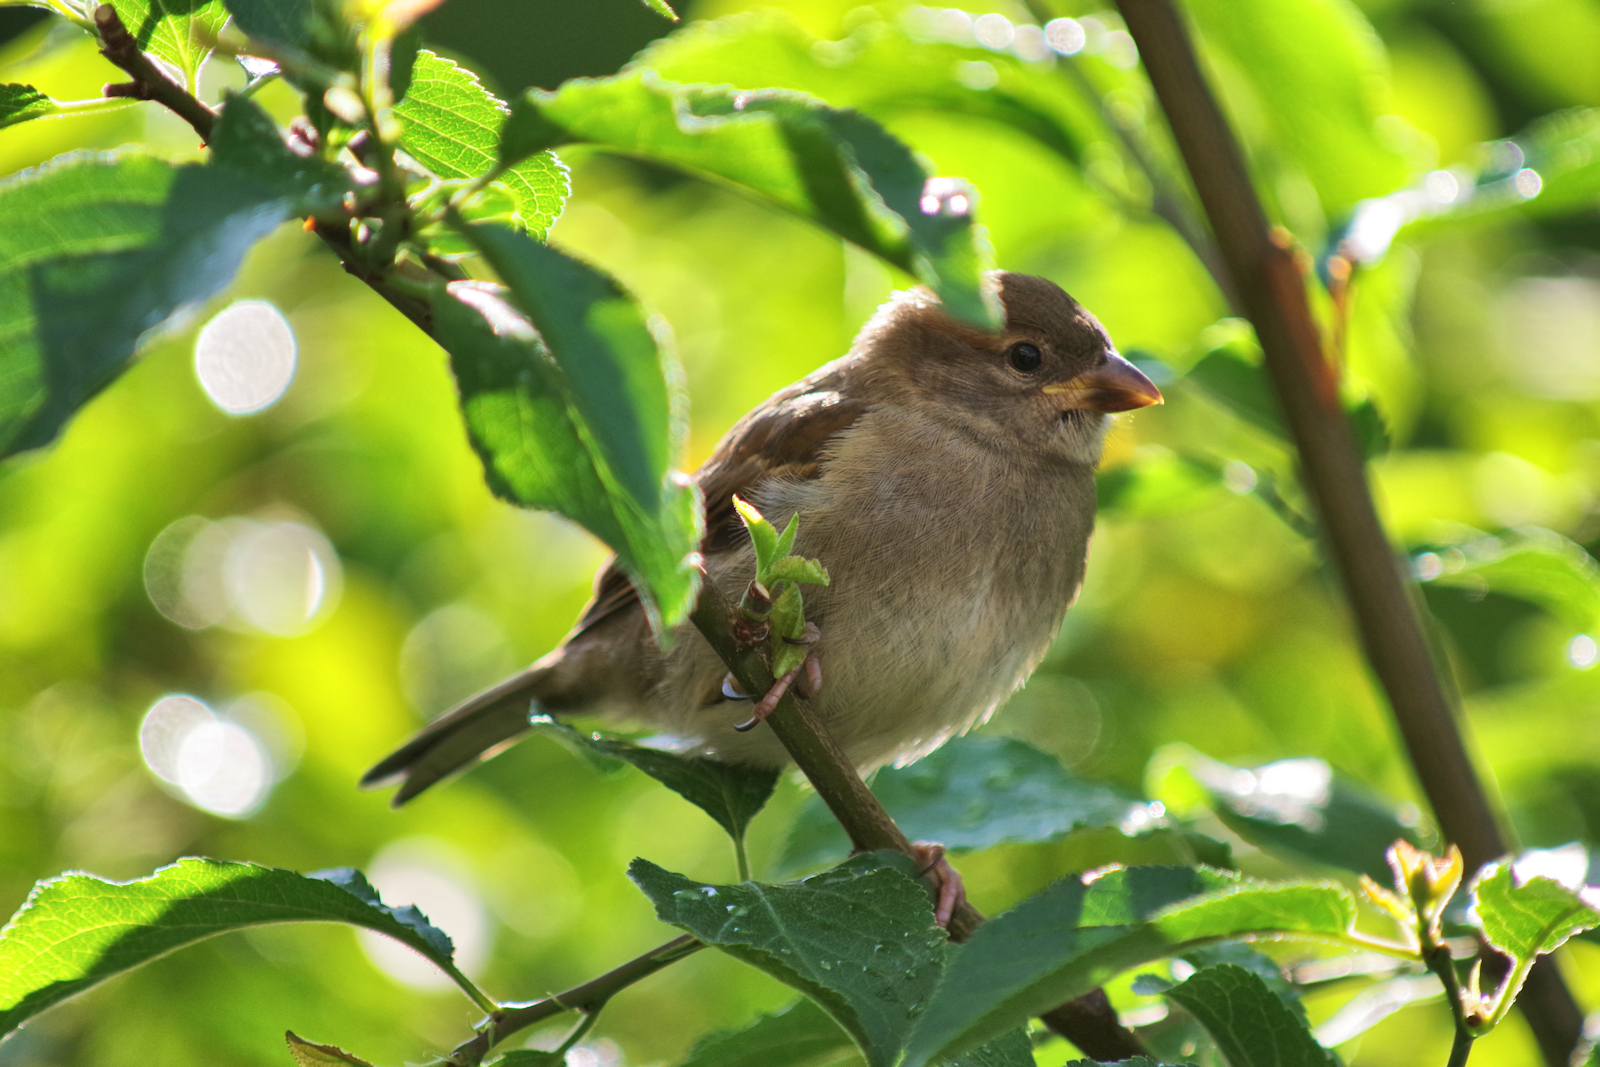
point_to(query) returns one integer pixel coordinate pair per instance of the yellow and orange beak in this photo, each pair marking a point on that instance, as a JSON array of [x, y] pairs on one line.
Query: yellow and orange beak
[[1115, 385]]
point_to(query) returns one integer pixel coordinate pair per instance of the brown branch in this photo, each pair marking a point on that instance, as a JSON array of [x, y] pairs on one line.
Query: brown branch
[[1271, 287], [1088, 1022], [150, 82]]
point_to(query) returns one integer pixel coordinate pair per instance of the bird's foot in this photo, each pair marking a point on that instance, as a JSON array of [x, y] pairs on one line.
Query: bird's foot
[[952, 893], [806, 679]]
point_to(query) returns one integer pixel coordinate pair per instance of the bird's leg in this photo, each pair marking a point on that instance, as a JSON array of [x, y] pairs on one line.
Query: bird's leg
[[808, 673], [952, 893]]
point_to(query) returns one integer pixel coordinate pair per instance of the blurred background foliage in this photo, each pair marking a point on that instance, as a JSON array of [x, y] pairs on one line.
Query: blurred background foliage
[[1207, 619]]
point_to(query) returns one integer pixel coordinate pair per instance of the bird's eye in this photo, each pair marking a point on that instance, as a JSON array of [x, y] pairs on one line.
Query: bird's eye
[[1025, 357]]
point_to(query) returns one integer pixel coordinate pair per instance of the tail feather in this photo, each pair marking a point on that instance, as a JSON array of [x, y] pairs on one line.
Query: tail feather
[[476, 729]]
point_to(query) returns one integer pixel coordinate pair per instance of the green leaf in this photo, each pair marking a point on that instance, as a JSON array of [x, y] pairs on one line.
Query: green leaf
[[97, 249], [1157, 481], [763, 537], [77, 930], [19, 103], [729, 794], [801, 1035], [1297, 806], [1526, 918], [1073, 936], [1316, 76], [1252, 1027], [280, 22], [310, 1054], [1542, 568], [247, 142], [796, 569], [1136, 1061], [834, 167], [178, 31], [582, 418], [785, 543], [662, 8], [526, 1057], [452, 127], [860, 942], [975, 792]]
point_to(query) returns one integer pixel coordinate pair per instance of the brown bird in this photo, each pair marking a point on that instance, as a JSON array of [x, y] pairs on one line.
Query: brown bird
[[945, 477]]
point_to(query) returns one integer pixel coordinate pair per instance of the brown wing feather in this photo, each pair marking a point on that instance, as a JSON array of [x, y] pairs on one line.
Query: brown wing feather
[[785, 437]]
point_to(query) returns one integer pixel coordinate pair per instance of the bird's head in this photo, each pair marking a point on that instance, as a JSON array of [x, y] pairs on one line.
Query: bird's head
[[1044, 385]]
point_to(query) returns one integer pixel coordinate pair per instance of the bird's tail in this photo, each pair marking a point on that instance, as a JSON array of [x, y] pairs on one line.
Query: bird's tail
[[475, 729]]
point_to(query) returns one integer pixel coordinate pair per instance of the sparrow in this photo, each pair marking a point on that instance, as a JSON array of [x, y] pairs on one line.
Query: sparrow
[[944, 476]]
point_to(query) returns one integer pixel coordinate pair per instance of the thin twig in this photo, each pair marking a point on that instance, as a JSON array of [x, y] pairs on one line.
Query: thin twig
[[1272, 289], [587, 998], [149, 81], [1088, 1022]]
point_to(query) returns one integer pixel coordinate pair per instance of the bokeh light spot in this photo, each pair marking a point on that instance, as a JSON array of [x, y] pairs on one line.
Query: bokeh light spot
[[215, 764], [1066, 36], [245, 356], [1582, 652]]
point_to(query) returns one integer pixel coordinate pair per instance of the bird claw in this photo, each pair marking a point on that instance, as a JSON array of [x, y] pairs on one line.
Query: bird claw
[[806, 679], [952, 892], [759, 713]]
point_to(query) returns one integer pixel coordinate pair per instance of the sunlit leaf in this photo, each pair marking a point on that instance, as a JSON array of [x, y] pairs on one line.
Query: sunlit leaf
[[178, 31], [1252, 1027], [77, 930], [1298, 806], [568, 403], [310, 1054], [452, 127], [662, 8], [19, 103], [730, 794], [975, 792], [1541, 567], [1525, 918], [832, 166], [96, 250]]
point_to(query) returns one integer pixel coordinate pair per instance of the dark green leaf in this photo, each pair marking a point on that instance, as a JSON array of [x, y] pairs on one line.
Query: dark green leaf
[[801, 1035], [976, 792], [524, 1057], [1231, 374], [861, 942], [452, 127], [97, 249], [1298, 806], [1262, 966], [1251, 1026], [834, 167], [1013, 1049], [78, 930], [19, 103], [280, 22], [601, 363], [1136, 1061], [1543, 568], [310, 1054], [1073, 936], [247, 142], [1525, 918], [731, 795], [178, 31]]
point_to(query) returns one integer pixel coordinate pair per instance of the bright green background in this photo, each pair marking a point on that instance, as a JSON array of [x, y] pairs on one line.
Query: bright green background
[[1213, 626]]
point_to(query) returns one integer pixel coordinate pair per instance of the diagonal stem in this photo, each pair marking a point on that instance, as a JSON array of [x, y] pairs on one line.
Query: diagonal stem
[[149, 83], [1271, 288]]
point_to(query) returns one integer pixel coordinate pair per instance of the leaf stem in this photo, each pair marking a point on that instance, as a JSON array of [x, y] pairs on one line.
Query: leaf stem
[[741, 857], [1460, 1049], [1272, 290]]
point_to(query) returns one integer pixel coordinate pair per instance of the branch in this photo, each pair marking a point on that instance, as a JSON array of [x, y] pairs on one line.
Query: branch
[[1088, 1022], [588, 997], [149, 81], [1271, 288]]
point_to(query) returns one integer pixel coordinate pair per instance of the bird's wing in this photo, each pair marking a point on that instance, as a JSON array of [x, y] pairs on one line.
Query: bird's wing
[[786, 437]]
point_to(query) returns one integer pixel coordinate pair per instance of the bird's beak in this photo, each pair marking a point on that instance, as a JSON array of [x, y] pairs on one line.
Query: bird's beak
[[1115, 385]]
